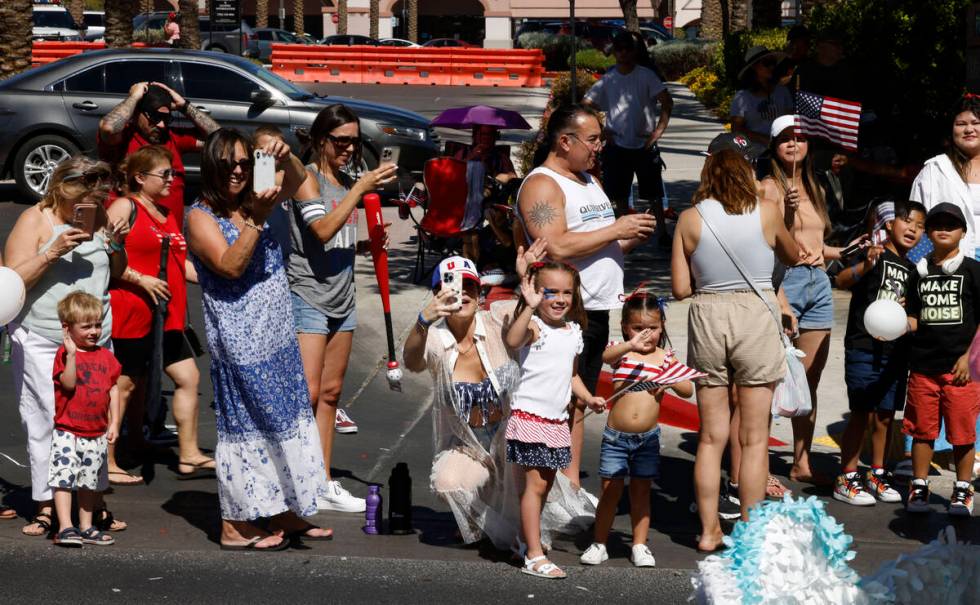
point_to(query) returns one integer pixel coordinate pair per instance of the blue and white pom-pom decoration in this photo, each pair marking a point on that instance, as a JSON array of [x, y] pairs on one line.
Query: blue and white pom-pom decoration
[[943, 572], [789, 552]]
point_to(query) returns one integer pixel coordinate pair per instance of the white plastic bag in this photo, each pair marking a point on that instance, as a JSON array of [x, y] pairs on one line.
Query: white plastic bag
[[792, 395]]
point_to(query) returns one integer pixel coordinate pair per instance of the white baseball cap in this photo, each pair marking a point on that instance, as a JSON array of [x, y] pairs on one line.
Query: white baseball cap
[[780, 124], [459, 264]]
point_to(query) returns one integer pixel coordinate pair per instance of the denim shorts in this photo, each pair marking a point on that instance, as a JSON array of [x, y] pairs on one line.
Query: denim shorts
[[875, 382], [629, 454], [307, 319], [809, 294]]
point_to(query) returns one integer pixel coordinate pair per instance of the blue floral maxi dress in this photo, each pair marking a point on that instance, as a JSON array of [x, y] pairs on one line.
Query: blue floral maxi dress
[[268, 454]]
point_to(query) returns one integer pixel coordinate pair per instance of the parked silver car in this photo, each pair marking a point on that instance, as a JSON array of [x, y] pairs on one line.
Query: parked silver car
[[52, 112]]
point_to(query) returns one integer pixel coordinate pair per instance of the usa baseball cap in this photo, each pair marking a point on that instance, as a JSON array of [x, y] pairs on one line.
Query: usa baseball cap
[[459, 264]]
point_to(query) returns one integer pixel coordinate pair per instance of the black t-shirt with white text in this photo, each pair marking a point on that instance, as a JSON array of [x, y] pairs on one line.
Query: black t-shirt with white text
[[889, 279], [947, 307]]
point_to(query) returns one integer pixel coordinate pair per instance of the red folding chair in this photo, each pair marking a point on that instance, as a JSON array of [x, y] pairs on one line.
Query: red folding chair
[[439, 230]]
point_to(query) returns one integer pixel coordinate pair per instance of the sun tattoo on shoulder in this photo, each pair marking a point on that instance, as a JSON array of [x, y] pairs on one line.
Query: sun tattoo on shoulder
[[541, 214]]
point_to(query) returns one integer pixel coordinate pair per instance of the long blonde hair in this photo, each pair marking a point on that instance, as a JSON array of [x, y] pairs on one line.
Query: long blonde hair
[[812, 187], [727, 177], [65, 188]]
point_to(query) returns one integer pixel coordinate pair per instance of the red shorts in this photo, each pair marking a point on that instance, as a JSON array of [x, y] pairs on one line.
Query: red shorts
[[931, 396]]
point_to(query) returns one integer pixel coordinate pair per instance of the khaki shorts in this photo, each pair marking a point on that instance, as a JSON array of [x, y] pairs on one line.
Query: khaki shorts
[[732, 337]]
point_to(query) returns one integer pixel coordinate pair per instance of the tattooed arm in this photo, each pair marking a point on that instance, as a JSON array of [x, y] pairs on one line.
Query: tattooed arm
[[112, 124], [201, 120], [542, 208]]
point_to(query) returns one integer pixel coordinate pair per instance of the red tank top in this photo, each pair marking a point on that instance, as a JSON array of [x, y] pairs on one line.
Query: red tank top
[[132, 311]]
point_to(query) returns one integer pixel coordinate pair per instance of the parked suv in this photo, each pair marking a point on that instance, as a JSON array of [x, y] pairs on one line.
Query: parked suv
[[52, 112], [52, 22], [94, 25], [222, 38]]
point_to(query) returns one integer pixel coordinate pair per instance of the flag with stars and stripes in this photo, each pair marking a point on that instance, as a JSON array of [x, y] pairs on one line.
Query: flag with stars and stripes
[[828, 118]]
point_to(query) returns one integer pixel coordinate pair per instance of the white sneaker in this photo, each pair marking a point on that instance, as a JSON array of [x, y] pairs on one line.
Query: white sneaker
[[594, 554], [849, 488], [339, 499], [642, 557]]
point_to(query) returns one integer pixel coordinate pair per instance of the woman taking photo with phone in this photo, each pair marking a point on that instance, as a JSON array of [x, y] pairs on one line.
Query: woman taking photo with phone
[[268, 451], [323, 237], [149, 175], [54, 258]]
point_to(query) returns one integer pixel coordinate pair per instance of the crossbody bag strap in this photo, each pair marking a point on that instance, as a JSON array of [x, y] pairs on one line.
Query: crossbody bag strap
[[741, 268]]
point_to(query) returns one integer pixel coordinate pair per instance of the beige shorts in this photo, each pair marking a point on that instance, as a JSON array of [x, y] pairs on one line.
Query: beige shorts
[[732, 337]]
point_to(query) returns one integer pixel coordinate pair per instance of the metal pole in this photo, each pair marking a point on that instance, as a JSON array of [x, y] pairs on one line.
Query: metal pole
[[574, 82]]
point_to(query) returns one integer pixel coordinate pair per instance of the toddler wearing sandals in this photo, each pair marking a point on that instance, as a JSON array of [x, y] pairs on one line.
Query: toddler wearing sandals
[[547, 333], [86, 419]]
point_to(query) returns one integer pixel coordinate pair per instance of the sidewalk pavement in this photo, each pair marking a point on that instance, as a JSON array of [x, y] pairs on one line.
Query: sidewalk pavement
[[169, 516]]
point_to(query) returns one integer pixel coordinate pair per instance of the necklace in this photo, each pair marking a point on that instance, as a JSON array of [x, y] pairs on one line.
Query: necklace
[[461, 352]]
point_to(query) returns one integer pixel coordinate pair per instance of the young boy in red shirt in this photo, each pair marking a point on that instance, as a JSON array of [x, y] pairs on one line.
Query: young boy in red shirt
[[86, 418]]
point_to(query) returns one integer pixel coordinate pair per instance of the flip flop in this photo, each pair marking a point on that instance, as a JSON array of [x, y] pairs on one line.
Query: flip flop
[[302, 535], [132, 479], [200, 470], [250, 545], [775, 488]]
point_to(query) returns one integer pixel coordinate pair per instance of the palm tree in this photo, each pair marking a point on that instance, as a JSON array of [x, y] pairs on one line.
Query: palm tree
[[374, 16], [15, 36], [629, 15], [119, 22], [298, 12], [76, 8], [261, 13], [190, 24], [341, 16], [413, 20]]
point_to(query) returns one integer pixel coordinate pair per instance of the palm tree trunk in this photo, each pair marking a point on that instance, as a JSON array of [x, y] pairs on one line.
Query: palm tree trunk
[[341, 16], [119, 22], [15, 36], [298, 9], [413, 20], [374, 16], [190, 25], [261, 13], [629, 15], [76, 8]]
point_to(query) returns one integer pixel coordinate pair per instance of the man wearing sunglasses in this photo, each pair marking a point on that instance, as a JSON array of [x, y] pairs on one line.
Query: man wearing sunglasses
[[144, 118]]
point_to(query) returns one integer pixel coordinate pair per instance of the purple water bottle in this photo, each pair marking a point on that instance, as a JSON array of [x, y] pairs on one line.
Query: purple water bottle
[[372, 513]]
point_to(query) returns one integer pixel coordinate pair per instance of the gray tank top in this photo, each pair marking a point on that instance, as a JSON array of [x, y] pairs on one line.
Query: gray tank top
[[712, 270], [86, 268], [323, 274]]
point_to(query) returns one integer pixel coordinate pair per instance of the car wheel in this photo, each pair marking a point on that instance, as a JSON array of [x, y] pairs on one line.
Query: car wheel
[[36, 160]]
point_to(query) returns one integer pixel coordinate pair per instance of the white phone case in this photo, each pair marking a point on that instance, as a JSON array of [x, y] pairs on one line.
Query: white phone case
[[264, 171], [390, 155], [454, 282]]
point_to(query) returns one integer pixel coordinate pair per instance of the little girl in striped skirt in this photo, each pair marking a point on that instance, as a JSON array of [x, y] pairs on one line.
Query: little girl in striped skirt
[[547, 333]]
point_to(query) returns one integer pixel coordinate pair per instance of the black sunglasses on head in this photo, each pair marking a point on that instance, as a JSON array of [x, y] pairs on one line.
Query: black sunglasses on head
[[157, 116], [90, 178]]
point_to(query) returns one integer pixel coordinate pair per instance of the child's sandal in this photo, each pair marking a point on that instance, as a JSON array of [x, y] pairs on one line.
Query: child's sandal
[[542, 570], [93, 536], [69, 537]]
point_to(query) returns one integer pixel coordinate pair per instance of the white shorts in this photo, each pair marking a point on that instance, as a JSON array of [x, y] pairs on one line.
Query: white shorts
[[78, 462]]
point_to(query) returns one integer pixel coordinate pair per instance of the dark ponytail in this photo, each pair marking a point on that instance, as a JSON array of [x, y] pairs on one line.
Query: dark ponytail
[[561, 120], [329, 118]]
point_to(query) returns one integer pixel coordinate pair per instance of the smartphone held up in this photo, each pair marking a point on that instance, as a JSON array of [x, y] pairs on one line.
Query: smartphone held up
[[263, 172], [453, 281]]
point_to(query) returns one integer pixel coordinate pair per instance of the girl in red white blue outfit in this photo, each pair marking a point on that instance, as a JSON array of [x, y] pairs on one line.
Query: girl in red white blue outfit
[[547, 335]]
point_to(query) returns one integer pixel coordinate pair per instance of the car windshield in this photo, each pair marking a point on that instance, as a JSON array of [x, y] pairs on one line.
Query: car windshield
[[288, 37], [281, 84], [60, 19]]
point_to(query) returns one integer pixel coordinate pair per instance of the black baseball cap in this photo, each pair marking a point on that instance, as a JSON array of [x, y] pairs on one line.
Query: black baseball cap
[[739, 143], [946, 208]]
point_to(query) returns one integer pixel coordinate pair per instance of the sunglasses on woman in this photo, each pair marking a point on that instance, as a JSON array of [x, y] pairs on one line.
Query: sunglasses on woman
[[166, 175], [229, 165], [91, 178], [344, 142]]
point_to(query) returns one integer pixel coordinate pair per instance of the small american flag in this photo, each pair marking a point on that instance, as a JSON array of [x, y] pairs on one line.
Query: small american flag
[[647, 378], [416, 196], [829, 118]]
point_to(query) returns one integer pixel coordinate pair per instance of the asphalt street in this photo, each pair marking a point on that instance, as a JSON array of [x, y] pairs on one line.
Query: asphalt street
[[170, 551]]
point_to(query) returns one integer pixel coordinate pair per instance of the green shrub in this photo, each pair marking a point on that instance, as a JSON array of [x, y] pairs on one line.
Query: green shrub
[[678, 58], [594, 60], [557, 49]]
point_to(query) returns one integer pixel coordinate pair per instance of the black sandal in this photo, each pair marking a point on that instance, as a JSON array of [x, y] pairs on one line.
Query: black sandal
[[42, 519], [102, 520]]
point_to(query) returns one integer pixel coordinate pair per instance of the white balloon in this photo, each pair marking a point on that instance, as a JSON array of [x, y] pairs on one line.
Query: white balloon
[[12, 294], [885, 319]]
